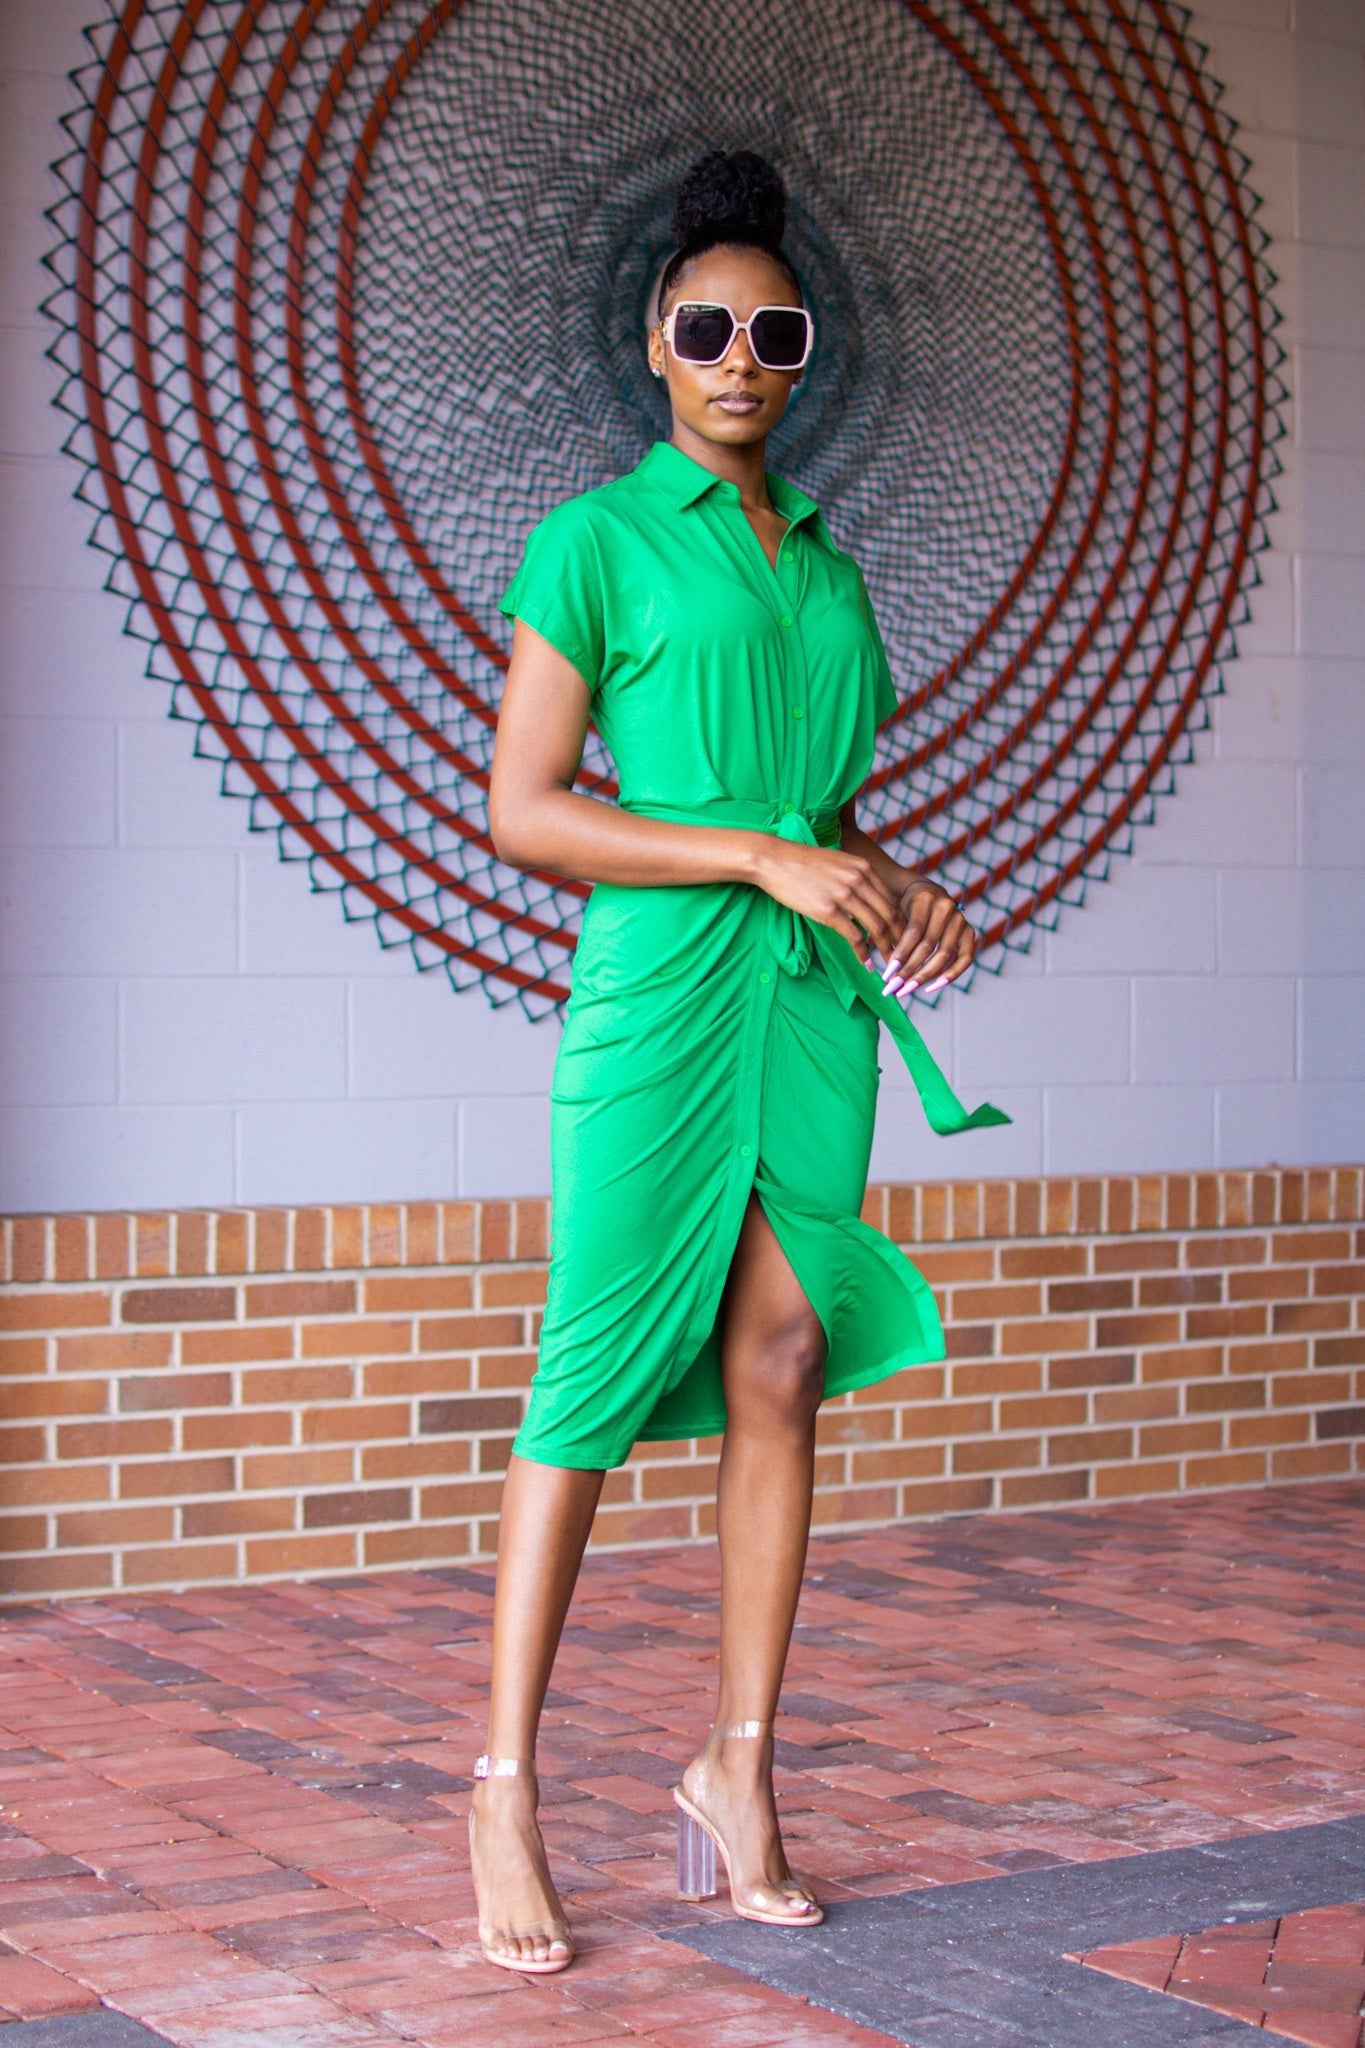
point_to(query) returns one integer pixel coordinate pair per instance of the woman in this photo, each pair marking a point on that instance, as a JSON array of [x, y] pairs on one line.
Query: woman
[[713, 1094]]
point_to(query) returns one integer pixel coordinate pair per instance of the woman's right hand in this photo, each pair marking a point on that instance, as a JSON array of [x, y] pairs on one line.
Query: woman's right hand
[[841, 890]]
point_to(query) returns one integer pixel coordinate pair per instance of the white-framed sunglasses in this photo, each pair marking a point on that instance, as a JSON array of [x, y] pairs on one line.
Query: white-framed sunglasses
[[701, 331]]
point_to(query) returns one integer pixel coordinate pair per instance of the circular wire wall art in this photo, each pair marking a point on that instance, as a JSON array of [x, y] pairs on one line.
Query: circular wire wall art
[[349, 296]]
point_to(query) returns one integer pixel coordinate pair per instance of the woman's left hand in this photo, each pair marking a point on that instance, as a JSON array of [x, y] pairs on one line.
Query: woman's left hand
[[936, 945]]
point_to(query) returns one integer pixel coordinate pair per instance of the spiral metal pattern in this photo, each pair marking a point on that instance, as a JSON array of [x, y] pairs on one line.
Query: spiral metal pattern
[[348, 296]]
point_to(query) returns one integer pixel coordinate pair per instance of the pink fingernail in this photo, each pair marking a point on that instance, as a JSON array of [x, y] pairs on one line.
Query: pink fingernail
[[892, 964], [894, 986], [936, 984]]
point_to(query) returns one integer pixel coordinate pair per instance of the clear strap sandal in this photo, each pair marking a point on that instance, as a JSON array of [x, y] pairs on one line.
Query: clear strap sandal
[[698, 1841], [510, 1767]]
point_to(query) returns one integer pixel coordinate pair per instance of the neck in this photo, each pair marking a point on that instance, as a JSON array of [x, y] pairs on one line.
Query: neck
[[743, 466]]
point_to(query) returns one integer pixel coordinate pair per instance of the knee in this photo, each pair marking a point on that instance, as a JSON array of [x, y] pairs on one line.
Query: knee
[[787, 1374]]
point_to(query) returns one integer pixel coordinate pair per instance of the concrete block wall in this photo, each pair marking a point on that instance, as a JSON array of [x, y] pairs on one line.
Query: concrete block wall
[[182, 1023]]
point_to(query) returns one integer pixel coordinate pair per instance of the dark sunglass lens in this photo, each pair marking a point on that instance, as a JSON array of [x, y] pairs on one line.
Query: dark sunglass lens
[[779, 336], [701, 334]]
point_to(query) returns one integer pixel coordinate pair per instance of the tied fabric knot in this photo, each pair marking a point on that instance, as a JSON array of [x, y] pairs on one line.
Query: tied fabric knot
[[792, 940], [794, 937]]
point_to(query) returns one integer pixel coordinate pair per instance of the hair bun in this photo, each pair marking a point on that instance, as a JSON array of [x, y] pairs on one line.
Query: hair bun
[[730, 193]]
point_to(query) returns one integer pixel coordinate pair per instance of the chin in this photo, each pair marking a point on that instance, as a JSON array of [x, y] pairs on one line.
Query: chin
[[745, 427]]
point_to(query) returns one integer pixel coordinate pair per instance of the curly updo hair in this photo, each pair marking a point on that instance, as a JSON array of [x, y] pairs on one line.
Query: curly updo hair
[[731, 196]]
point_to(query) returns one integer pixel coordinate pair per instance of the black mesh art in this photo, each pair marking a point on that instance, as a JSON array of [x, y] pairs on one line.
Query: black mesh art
[[350, 296]]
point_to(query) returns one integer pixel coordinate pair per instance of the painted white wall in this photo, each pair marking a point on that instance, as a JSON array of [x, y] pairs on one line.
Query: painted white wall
[[184, 1023]]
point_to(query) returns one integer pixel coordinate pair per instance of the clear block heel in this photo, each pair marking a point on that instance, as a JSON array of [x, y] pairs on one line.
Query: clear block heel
[[696, 1859], [698, 1842]]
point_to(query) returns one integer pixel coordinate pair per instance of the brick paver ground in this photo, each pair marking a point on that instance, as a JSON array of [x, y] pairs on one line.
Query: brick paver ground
[[1301, 1976], [239, 1814]]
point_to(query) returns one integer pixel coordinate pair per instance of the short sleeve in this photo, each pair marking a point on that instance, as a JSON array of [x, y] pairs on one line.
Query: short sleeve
[[558, 588], [885, 696]]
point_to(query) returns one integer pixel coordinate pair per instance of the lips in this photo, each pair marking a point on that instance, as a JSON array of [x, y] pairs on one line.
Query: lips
[[737, 401]]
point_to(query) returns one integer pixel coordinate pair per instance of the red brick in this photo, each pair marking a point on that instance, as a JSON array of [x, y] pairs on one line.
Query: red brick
[[50, 1486], [1227, 1250], [358, 1504], [1206, 1397], [433, 1374], [354, 1338], [1041, 1261], [516, 1287], [178, 1304], [470, 1497], [1089, 1446], [72, 1249], [236, 1343], [33, 1576], [393, 1293], [1168, 1439], [441, 1540], [48, 1396], [151, 1244], [236, 1429], [269, 1300], [90, 1527], [286, 1556], [177, 1390], [946, 1496], [1092, 1369], [178, 1562], [267, 1385], [1329, 1423], [148, 1437], [355, 1421], [157, 1480], [23, 1355], [29, 1249], [1029, 1489], [471, 1333], [1234, 1468], [951, 1418], [441, 1454], [116, 1351], [248, 1514], [297, 1467], [981, 1304], [192, 1249], [1114, 1482], [33, 1991], [113, 1247], [997, 1454], [470, 1412], [70, 1309], [1087, 1297]]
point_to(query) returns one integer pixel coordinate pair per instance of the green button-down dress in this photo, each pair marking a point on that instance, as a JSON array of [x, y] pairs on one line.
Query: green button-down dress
[[713, 1040]]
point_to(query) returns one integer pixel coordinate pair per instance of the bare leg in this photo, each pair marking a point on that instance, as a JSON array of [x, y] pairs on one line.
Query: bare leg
[[547, 1513], [773, 1352]]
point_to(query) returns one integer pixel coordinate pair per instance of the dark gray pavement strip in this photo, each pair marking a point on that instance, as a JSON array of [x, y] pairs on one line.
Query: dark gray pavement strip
[[954, 1966], [99, 2027]]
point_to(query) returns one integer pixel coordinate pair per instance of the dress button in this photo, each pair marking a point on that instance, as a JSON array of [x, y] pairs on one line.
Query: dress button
[[786, 619], [745, 1151], [764, 975], [787, 809], [798, 710]]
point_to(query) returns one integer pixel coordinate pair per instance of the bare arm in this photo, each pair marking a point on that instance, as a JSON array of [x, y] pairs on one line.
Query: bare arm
[[539, 822], [536, 818]]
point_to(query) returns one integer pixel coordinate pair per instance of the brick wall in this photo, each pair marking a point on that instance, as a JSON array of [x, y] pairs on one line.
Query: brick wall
[[251, 1393]]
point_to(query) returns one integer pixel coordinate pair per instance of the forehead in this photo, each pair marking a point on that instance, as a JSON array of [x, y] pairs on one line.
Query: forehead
[[743, 277]]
